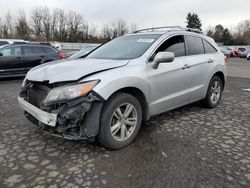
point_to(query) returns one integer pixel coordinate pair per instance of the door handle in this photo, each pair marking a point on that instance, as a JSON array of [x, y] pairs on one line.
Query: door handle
[[186, 66], [18, 57], [42, 56], [210, 61]]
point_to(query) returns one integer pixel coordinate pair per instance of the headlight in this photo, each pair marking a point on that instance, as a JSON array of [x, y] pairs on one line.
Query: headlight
[[69, 92]]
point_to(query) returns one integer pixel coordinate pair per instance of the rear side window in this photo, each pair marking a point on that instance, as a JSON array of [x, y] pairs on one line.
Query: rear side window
[[174, 44], [19, 43], [48, 50], [32, 50], [3, 43], [194, 45], [208, 47]]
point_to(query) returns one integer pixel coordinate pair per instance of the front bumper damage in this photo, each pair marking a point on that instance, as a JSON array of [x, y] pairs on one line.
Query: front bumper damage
[[76, 119]]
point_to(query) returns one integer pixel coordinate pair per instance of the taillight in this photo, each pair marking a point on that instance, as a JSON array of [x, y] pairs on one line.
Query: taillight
[[61, 55]]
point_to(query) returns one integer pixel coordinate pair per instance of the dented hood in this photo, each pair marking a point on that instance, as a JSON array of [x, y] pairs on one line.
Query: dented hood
[[71, 70]]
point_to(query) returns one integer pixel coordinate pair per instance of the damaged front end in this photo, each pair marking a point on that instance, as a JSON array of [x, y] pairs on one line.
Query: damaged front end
[[75, 119]]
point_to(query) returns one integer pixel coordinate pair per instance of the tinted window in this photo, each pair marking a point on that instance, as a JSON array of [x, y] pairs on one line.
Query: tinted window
[[19, 43], [242, 49], [11, 51], [126, 47], [47, 50], [174, 44], [3, 43], [194, 45], [32, 50], [208, 47]]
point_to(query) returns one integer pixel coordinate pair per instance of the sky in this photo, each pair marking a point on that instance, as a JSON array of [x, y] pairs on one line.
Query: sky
[[144, 13]]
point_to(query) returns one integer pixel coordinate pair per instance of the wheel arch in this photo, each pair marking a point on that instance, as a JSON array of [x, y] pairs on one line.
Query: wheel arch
[[221, 76], [139, 95]]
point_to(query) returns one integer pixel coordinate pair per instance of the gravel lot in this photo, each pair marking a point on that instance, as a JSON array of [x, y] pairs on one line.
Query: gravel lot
[[187, 147]]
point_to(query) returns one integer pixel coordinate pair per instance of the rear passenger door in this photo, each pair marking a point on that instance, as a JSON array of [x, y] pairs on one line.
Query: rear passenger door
[[200, 61], [32, 56], [49, 54]]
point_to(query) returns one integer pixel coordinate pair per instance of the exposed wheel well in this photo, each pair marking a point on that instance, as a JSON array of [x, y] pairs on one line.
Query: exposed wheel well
[[221, 76], [137, 93]]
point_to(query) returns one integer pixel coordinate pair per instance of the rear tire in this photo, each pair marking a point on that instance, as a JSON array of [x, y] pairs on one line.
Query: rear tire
[[120, 121], [214, 93]]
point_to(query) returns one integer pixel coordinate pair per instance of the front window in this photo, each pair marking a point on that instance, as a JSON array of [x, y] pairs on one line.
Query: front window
[[126, 47], [174, 44]]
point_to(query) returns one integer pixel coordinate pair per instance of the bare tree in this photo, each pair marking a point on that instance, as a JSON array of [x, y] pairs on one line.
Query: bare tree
[[1, 28], [242, 35], [75, 23], [133, 27], [22, 28], [54, 23], [37, 18], [119, 27], [46, 23], [62, 25], [114, 29], [107, 32], [89, 31], [8, 26]]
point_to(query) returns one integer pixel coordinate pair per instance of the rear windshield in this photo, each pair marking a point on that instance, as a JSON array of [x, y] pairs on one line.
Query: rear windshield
[[126, 47]]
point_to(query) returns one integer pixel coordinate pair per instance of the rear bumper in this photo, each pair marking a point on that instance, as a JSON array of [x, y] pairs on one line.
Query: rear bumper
[[42, 116]]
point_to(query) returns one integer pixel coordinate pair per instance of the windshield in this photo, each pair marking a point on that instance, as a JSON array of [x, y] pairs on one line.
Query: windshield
[[126, 47]]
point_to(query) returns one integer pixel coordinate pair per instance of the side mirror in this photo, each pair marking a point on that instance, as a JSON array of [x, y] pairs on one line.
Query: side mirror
[[163, 57], [1, 54]]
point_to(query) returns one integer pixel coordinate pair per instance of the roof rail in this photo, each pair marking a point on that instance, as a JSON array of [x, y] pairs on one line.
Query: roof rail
[[179, 28], [157, 28], [194, 30]]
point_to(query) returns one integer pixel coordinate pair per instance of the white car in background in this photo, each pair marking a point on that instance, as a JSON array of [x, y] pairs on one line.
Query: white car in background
[[226, 51], [12, 41]]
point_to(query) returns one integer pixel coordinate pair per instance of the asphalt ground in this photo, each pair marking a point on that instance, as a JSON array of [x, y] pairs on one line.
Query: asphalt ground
[[187, 147]]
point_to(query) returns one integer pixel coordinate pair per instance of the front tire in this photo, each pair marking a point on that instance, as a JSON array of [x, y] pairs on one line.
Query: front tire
[[120, 121], [214, 93]]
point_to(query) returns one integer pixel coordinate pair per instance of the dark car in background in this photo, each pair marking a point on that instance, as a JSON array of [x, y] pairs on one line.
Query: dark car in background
[[17, 60]]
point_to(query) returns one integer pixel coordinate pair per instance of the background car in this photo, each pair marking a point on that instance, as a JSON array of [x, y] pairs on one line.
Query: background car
[[227, 52], [82, 52], [239, 51], [245, 53], [248, 56], [17, 60], [12, 41]]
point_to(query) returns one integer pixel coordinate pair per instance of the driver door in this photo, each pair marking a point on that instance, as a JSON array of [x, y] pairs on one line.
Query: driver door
[[170, 82]]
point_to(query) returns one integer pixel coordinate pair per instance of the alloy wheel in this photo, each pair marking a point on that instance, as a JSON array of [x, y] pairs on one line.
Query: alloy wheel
[[123, 122], [215, 92]]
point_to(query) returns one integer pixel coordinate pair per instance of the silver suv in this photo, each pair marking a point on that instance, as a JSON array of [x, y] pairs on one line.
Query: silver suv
[[108, 94]]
